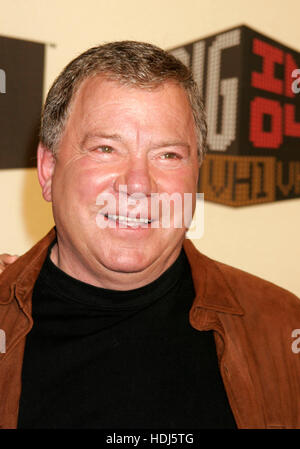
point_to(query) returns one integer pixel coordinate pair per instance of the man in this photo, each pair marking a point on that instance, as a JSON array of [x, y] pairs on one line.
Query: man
[[114, 320]]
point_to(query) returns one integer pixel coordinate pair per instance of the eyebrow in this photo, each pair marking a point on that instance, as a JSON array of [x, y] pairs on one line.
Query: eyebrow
[[167, 144], [118, 137], [100, 136]]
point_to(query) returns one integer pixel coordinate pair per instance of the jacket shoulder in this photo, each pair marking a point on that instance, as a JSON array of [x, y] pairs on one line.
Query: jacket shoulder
[[252, 291], [26, 268], [231, 287]]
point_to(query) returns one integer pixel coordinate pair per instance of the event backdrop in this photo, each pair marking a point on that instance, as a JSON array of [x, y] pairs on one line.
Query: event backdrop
[[253, 113], [21, 94], [251, 93]]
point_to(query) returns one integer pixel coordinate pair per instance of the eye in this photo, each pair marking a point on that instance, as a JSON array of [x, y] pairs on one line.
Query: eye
[[170, 155], [104, 149]]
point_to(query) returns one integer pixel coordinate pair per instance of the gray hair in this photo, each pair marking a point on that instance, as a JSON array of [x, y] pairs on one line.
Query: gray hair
[[130, 63]]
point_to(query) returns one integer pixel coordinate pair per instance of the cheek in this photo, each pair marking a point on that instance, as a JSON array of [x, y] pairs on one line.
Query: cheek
[[87, 186], [85, 183], [183, 181]]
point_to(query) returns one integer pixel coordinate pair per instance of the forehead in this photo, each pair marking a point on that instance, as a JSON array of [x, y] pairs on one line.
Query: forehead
[[108, 100]]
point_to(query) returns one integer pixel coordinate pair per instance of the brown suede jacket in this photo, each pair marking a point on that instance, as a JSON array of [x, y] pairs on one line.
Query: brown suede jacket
[[252, 321]]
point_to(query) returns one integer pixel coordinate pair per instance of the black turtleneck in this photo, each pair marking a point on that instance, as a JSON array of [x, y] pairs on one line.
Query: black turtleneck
[[98, 358]]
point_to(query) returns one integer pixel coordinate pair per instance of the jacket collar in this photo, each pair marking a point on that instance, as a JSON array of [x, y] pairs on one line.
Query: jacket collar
[[212, 290]]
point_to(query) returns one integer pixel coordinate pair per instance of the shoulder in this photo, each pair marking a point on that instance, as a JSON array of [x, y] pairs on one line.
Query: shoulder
[[248, 292], [249, 288], [24, 271], [267, 308]]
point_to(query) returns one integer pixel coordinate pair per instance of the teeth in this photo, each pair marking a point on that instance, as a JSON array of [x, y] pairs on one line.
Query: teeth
[[129, 219]]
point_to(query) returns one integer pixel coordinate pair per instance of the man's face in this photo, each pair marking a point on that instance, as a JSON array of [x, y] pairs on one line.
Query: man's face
[[124, 143]]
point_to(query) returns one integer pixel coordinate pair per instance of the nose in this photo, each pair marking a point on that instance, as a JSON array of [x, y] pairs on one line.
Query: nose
[[136, 179]]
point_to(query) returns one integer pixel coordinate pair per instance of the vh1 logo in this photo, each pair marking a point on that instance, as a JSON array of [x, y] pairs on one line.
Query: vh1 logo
[[253, 111]]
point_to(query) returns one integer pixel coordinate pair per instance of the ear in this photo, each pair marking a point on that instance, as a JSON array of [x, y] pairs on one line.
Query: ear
[[45, 166]]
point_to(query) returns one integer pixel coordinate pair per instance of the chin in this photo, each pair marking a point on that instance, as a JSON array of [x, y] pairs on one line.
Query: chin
[[129, 263]]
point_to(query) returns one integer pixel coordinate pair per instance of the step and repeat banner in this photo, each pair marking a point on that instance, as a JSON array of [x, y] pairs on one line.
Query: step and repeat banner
[[251, 88], [21, 96]]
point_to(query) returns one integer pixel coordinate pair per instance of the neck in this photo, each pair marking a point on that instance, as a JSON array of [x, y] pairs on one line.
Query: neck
[[92, 272]]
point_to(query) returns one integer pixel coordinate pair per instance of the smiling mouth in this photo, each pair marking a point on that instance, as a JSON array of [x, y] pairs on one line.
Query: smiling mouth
[[130, 221]]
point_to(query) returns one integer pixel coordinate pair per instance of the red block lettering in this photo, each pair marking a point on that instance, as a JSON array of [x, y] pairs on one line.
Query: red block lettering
[[290, 65], [260, 138], [291, 128], [266, 80]]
